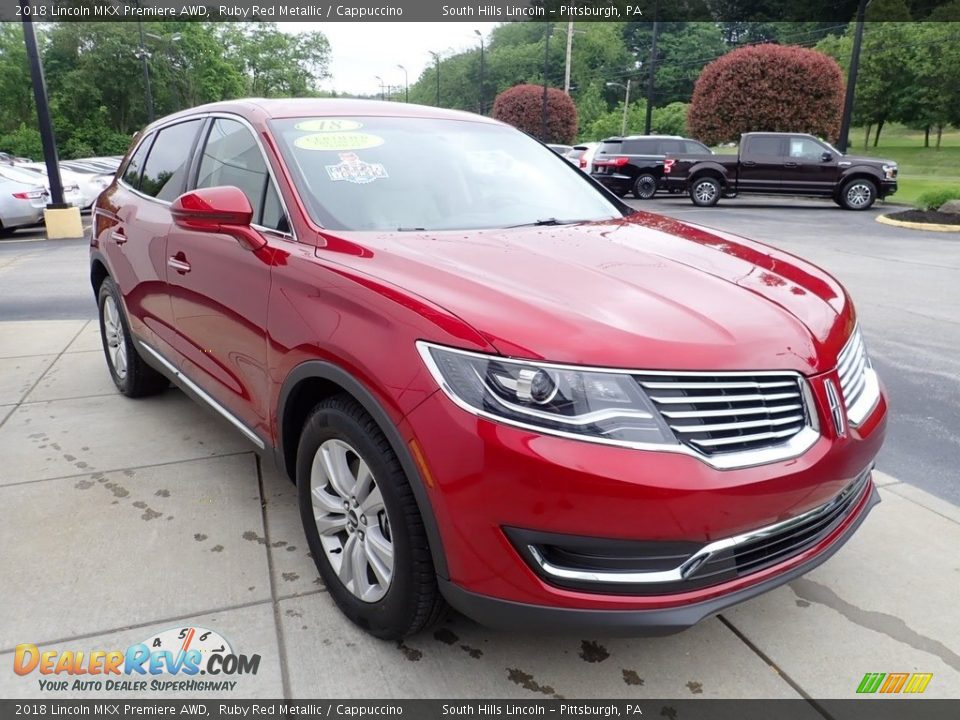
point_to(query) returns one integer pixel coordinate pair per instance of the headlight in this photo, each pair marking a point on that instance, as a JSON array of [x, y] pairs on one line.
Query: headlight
[[890, 172], [595, 405]]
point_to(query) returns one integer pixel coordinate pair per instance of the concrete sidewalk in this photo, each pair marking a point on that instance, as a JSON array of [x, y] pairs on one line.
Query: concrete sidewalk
[[123, 518]]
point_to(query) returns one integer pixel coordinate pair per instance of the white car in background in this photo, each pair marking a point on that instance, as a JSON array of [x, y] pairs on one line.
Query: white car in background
[[89, 184], [23, 196], [582, 156]]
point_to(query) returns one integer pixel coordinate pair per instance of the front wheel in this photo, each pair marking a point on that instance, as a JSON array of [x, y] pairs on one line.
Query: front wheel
[[645, 187], [705, 192], [858, 194], [362, 523]]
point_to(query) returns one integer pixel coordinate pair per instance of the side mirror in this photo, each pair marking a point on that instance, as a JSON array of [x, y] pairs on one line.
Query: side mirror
[[826, 157], [224, 210]]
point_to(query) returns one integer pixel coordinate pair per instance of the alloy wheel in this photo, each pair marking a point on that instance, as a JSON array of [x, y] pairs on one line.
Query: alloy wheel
[[114, 336], [858, 195], [705, 192], [352, 520]]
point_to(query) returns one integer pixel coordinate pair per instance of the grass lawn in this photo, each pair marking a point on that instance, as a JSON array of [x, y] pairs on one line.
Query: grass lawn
[[921, 169]]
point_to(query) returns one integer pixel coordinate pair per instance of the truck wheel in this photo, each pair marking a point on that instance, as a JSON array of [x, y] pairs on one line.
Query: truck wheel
[[645, 186], [705, 192], [858, 194]]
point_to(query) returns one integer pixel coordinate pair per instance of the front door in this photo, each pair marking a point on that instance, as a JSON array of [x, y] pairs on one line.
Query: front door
[[810, 168], [219, 289]]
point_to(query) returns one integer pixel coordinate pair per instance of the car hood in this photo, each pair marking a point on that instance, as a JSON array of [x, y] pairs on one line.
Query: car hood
[[645, 292]]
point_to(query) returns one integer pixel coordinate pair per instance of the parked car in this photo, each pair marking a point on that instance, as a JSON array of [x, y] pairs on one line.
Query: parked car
[[88, 184], [634, 164], [493, 384], [94, 166], [23, 197], [560, 150], [783, 164], [582, 156]]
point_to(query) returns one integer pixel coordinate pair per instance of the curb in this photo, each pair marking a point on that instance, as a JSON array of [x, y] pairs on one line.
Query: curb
[[887, 220]]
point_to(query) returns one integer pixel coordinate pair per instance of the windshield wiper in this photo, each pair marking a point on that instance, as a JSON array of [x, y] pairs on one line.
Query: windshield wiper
[[546, 221]]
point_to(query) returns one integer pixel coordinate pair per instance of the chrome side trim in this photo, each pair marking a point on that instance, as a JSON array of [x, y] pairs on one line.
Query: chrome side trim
[[794, 447], [202, 394], [684, 570]]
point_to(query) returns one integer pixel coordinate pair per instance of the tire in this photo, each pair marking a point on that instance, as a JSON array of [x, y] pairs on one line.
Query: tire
[[836, 199], [132, 376], [338, 441], [858, 194], [705, 192], [645, 186]]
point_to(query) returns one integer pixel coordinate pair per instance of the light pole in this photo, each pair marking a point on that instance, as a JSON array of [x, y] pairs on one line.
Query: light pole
[[406, 84], [482, 101], [145, 57], [653, 68], [380, 80], [852, 78], [546, 67], [626, 104], [436, 59]]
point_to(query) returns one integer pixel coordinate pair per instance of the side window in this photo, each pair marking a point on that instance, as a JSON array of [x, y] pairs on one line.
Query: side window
[[695, 148], [765, 146], [806, 149], [231, 156], [131, 174], [166, 168], [273, 215], [669, 146]]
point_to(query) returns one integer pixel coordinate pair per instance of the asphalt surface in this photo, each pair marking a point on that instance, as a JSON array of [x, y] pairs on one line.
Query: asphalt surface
[[904, 282]]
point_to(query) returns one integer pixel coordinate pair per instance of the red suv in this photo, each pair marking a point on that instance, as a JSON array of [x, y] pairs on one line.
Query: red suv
[[494, 384]]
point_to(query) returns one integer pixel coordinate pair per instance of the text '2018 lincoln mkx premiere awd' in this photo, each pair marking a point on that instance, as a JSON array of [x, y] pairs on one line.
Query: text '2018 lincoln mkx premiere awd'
[[494, 384]]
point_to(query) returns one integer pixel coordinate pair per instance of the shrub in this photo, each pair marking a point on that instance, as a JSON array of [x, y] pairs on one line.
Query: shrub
[[774, 88], [933, 199], [670, 119], [24, 141], [522, 107]]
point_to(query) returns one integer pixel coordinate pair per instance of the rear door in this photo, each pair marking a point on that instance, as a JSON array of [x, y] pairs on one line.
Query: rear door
[[810, 168], [132, 231], [761, 163], [220, 289]]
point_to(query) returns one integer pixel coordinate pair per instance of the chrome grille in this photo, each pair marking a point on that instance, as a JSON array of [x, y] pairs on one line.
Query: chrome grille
[[716, 414], [851, 370]]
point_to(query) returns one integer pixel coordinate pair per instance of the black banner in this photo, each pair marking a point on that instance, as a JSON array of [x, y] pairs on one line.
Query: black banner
[[448, 10], [867, 709]]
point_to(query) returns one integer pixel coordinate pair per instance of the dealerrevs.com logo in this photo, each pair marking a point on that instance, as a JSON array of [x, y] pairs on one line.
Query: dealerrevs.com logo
[[168, 661]]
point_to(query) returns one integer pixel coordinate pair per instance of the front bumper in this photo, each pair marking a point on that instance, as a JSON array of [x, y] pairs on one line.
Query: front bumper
[[508, 615], [485, 478], [888, 188]]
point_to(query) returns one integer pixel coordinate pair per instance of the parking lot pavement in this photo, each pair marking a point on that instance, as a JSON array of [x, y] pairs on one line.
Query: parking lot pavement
[[123, 518]]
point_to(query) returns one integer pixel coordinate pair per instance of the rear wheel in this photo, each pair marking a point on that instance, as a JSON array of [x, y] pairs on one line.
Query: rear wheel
[[132, 376], [645, 186], [705, 191], [858, 194], [362, 523]]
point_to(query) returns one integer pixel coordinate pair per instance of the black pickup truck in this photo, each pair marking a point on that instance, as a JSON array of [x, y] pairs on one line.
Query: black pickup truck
[[782, 164]]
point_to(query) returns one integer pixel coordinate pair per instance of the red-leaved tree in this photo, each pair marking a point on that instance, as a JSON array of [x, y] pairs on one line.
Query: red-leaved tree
[[773, 88], [522, 107]]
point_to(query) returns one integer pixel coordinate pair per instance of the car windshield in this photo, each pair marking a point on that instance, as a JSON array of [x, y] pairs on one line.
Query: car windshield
[[389, 174]]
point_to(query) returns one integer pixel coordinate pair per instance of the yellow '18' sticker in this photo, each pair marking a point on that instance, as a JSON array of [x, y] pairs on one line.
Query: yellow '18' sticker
[[338, 141]]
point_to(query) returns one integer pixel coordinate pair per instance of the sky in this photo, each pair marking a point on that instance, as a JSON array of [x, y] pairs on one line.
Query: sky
[[362, 50]]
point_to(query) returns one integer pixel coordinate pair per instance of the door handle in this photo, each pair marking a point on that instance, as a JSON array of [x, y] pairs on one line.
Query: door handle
[[748, 162], [118, 236], [181, 266]]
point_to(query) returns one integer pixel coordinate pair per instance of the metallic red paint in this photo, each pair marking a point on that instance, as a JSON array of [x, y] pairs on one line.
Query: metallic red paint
[[647, 292]]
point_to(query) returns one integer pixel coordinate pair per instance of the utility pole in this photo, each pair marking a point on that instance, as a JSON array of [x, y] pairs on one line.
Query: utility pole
[[47, 137], [482, 99], [653, 68], [436, 58], [145, 57], [566, 70], [852, 78], [406, 84], [546, 67]]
